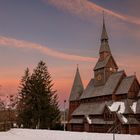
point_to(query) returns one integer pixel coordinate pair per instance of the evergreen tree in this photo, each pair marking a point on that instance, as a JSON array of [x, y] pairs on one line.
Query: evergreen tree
[[38, 100], [23, 107], [2, 104]]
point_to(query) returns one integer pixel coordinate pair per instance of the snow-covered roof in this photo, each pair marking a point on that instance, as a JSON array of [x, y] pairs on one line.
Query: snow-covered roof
[[123, 107], [133, 107], [124, 119], [88, 119], [117, 107]]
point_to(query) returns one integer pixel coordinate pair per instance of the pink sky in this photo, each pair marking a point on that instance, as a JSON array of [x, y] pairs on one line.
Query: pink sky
[[64, 33]]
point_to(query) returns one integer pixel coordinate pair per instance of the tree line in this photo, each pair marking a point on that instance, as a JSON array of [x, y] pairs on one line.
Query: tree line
[[37, 102]]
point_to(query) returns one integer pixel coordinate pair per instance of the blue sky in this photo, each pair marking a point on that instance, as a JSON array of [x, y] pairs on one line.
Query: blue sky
[[70, 29]]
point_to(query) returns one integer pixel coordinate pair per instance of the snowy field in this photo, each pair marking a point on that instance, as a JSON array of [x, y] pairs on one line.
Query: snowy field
[[26, 134]]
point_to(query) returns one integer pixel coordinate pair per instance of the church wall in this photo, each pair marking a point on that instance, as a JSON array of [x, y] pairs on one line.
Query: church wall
[[120, 97], [133, 92], [134, 129], [77, 127], [72, 106]]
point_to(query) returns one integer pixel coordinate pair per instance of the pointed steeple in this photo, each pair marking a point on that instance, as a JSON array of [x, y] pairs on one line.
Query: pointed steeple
[[106, 64], [77, 88], [104, 39], [104, 35]]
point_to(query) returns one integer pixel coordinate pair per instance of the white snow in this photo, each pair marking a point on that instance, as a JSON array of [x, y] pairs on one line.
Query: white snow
[[26, 134], [133, 107], [88, 119], [124, 119], [117, 106]]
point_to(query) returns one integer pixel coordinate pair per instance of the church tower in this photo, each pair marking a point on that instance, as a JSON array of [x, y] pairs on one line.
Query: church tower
[[76, 92], [106, 64]]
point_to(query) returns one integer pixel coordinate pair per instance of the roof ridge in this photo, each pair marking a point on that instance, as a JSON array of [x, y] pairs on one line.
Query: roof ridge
[[122, 71], [131, 76]]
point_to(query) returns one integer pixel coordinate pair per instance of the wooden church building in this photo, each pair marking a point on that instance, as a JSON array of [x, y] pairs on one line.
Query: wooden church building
[[111, 101]]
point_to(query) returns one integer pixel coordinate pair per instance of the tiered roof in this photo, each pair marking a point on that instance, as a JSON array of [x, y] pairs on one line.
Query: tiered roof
[[107, 89]]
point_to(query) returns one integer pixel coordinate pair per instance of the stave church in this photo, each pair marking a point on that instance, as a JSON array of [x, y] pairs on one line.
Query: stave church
[[111, 101]]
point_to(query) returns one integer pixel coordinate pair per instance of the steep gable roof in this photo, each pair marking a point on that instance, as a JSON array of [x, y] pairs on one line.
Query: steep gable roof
[[103, 63], [77, 88], [104, 47], [112, 82], [125, 85], [108, 89]]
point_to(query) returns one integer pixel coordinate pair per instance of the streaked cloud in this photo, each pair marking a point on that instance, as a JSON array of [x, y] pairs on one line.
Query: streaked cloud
[[20, 44], [88, 9]]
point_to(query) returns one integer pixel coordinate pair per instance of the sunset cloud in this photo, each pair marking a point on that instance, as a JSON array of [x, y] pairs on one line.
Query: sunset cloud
[[20, 44], [88, 9]]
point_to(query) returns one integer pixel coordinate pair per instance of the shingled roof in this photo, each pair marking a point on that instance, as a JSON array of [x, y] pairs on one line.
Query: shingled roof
[[127, 119], [89, 109], [76, 121], [104, 32], [77, 88], [125, 85], [103, 63], [100, 121], [108, 89]]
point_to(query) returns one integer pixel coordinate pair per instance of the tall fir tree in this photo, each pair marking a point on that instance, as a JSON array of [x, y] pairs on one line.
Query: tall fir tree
[[38, 102], [23, 106]]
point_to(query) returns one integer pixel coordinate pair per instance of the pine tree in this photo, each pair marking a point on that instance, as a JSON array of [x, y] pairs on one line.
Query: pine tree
[[2, 104], [23, 107], [39, 102]]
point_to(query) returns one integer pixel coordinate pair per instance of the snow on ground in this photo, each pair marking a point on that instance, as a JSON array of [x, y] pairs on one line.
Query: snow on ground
[[26, 134]]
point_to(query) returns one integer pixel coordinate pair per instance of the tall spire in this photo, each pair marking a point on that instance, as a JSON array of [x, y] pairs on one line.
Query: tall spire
[[104, 35], [104, 39], [77, 88]]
